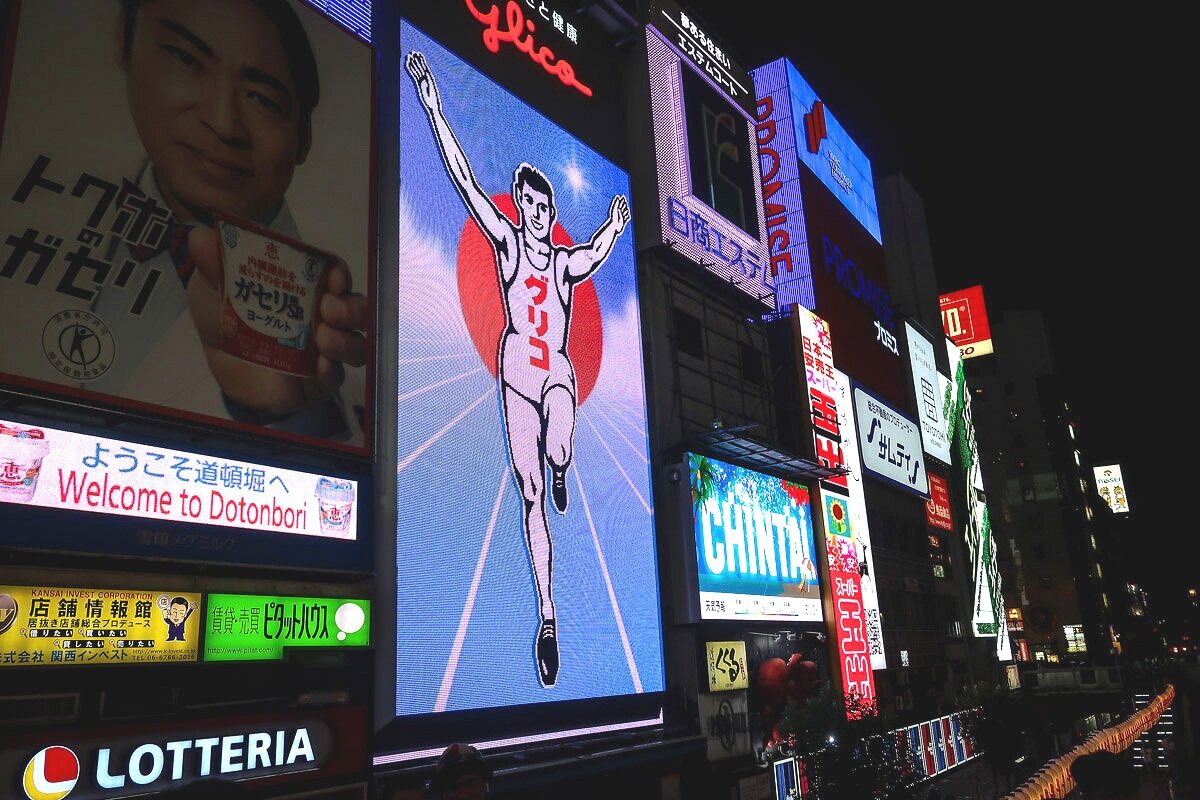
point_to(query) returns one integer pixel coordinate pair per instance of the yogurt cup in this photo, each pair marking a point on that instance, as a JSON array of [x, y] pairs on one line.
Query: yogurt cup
[[335, 502], [270, 285], [21, 454]]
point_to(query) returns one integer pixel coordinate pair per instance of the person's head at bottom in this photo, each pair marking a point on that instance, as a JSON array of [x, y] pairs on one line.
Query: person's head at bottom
[[1104, 776], [461, 773]]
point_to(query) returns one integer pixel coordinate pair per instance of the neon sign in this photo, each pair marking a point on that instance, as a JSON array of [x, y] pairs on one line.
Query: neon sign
[[517, 25]]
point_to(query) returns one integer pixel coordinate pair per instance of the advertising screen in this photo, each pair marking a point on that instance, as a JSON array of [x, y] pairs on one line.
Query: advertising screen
[[965, 320], [890, 443], [51, 626], [988, 604], [149, 500], [925, 390], [115, 287], [525, 548], [754, 544], [1111, 487], [708, 170], [240, 627]]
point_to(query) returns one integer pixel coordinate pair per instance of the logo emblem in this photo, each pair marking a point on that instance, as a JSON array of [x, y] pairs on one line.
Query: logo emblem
[[51, 774], [78, 344], [8, 611]]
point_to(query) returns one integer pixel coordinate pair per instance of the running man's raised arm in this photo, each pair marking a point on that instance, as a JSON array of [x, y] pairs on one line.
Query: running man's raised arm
[[494, 224], [582, 261]]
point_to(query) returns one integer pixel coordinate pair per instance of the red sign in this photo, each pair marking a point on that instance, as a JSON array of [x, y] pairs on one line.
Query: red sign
[[964, 318], [937, 509], [948, 743], [927, 749], [519, 31]]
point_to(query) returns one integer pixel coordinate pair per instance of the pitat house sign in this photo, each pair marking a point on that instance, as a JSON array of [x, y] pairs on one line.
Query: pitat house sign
[[128, 762]]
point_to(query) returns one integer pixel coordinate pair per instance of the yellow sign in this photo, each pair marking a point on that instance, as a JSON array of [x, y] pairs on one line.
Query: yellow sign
[[51, 626], [726, 666]]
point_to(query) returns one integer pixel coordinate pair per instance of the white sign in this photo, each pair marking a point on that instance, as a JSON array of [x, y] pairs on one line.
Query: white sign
[[890, 443], [41, 466], [858, 523], [1111, 487], [925, 389], [725, 718]]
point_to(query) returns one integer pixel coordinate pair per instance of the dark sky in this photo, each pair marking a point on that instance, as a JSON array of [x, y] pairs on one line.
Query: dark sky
[[1049, 148]]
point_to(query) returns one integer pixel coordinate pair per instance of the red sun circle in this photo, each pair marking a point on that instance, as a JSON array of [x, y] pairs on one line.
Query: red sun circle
[[482, 305]]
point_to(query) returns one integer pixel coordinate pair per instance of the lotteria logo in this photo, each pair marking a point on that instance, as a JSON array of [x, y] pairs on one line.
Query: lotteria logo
[[54, 771], [51, 774]]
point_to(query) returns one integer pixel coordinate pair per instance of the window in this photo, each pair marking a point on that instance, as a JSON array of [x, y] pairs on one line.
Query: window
[[752, 364], [689, 334]]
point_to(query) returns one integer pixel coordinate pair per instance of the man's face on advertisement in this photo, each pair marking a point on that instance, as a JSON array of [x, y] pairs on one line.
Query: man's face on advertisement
[[215, 104], [177, 613], [537, 213]]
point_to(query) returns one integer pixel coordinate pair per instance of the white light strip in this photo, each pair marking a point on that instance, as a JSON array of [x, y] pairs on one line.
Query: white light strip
[[414, 755]]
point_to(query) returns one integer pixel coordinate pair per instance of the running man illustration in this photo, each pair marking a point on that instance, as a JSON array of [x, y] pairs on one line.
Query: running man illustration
[[536, 378]]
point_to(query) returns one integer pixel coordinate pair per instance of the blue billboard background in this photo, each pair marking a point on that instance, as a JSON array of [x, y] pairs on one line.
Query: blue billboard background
[[467, 609], [743, 574]]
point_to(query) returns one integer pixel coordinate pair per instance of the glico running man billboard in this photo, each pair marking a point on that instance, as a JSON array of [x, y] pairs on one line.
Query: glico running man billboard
[[525, 549], [755, 556]]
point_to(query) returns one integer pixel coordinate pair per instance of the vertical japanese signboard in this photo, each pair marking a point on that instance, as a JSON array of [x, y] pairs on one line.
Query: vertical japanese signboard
[[56, 626], [1111, 487], [925, 390], [937, 508], [844, 560], [111, 273], [987, 608], [726, 666]]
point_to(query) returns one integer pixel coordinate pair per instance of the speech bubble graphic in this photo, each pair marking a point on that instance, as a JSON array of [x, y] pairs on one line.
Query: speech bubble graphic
[[349, 618]]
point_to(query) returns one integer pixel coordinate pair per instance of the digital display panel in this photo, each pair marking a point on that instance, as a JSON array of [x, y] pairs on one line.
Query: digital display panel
[[51, 468], [111, 270], [820, 142], [988, 604], [1111, 487], [890, 443], [755, 554], [239, 627], [695, 126], [525, 547], [925, 391], [51, 626], [965, 320]]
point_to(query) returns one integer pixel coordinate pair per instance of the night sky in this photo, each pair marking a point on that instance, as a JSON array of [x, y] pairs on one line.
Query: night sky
[[1047, 144]]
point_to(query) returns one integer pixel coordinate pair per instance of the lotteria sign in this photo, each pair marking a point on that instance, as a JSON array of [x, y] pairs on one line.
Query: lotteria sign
[[127, 762]]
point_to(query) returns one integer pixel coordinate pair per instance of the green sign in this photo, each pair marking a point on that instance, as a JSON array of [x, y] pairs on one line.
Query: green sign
[[244, 627]]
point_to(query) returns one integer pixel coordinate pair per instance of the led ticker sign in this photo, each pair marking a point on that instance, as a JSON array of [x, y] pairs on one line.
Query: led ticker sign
[[520, 356], [925, 390], [964, 317], [754, 544], [818, 140], [1111, 487], [708, 174], [58, 469], [726, 666], [55, 626], [890, 443], [701, 49], [259, 628]]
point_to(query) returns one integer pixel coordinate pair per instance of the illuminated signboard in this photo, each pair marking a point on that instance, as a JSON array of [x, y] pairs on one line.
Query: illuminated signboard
[[988, 603], [726, 666], [754, 544], [1111, 487], [964, 317], [110, 286], [816, 364], [258, 628], [54, 626], [890, 443], [708, 172], [937, 509], [524, 523], [925, 390], [518, 29], [1012, 675], [819, 141], [703, 50], [787, 779], [860, 530], [51, 468], [293, 749]]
